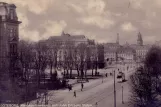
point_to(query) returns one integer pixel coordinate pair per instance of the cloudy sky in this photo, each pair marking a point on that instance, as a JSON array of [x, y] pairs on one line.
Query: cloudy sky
[[96, 19]]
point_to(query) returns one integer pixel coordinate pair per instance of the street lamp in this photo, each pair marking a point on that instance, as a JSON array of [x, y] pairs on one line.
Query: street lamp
[[114, 91], [103, 76], [122, 94]]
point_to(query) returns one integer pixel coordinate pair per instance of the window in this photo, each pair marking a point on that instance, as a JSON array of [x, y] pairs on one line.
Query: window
[[12, 13]]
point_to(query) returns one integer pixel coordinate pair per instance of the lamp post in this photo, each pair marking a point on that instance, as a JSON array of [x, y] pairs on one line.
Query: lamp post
[[115, 82], [102, 78], [114, 91], [122, 94]]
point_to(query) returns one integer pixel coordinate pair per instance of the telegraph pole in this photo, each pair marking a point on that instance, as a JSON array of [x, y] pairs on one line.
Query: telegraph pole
[[114, 83], [122, 95], [114, 91]]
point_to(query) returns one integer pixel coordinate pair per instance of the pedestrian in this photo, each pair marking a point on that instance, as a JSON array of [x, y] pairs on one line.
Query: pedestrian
[[69, 87], [96, 104], [74, 93], [82, 87]]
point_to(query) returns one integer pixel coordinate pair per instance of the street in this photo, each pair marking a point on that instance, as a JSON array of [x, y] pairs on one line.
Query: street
[[102, 95], [95, 93]]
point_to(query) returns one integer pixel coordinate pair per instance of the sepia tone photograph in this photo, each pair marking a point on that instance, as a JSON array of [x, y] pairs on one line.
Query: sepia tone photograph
[[80, 53]]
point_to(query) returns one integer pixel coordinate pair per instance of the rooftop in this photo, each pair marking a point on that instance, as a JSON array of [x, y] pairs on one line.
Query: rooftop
[[126, 49]]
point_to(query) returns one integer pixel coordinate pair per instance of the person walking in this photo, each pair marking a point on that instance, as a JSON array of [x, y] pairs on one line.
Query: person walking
[[74, 93], [82, 85]]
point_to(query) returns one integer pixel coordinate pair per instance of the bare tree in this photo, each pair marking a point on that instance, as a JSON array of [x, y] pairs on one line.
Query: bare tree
[[76, 60], [40, 61], [68, 49], [25, 56], [53, 48], [82, 55]]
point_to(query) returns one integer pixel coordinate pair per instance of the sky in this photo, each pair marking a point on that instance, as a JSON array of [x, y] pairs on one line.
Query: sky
[[96, 19]]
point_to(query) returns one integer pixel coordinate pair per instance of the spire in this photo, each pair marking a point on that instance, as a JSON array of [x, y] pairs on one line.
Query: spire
[[62, 34], [140, 40], [117, 40]]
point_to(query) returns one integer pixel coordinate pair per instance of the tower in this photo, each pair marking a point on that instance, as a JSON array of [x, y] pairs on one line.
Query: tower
[[9, 37], [62, 34], [117, 40], [140, 40]]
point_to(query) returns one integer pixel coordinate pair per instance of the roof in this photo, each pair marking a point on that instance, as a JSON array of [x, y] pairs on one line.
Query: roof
[[3, 9], [109, 50], [111, 44], [140, 47], [126, 49], [68, 37]]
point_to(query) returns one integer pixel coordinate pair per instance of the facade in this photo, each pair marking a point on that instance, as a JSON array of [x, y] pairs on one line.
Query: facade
[[66, 39], [127, 52], [141, 49], [158, 43], [9, 36], [65, 43], [65, 47], [100, 51], [110, 50]]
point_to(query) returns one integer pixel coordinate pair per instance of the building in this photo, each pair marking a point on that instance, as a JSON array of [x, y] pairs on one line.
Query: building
[[158, 43], [9, 37], [126, 54], [100, 51], [65, 45], [110, 50], [140, 40], [116, 52], [141, 49], [65, 42], [64, 39], [9, 62]]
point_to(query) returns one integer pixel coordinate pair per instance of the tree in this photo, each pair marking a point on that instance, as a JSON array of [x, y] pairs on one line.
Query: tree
[[82, 57], [40, 61], [76, 60], [26, 58], [69, 56], [142, 88], [94, 59], [145, 81], [52, 54]]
